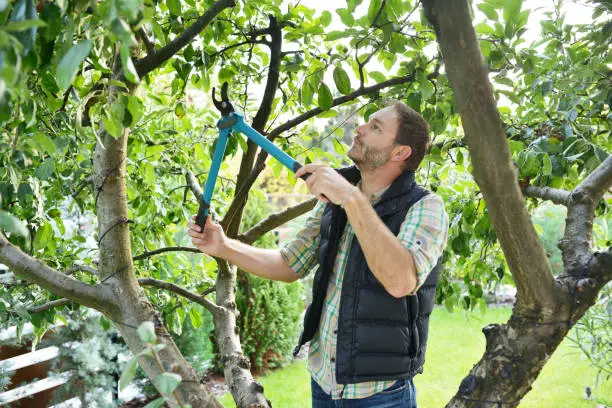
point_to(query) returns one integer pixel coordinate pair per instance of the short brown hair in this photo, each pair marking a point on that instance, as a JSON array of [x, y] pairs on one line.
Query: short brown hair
[[412, 131]]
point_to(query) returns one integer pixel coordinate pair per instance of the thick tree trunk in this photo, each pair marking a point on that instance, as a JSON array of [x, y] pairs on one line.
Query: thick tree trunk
[[116, 272], [545, 308]]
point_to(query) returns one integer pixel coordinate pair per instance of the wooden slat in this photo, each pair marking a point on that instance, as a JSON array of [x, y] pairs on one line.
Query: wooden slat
[[34, 388], [71, 403], [28, 359]]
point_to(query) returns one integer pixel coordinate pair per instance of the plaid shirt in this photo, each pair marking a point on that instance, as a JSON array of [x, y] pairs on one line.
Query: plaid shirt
[[423, 232]]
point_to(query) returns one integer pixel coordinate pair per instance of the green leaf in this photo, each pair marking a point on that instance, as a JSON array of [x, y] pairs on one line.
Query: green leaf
[[156, 403], [307, 93], [167, 382], [196, 318], [377, 76], [340, 148], [149, 174], [128, 373], [346, 16], [325, 99], [328, 114], [512, 9], [488, 10], [136, 108], [43, 234], [44, 143], [336, 35], [146, 332], [128, 66], [427, 88], [13, 225], [326, 18], [342, 80], [22, 25], [484, 28], [159, 33], [45, 170], [546, 165], [374, 10], [69, 65], [174, 6], [112, 125]]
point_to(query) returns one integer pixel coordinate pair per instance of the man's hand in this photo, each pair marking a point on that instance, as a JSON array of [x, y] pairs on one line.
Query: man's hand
[[212, 241], [325, 183]]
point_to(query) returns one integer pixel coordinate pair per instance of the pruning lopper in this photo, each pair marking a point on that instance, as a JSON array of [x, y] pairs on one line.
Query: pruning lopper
[[229, 121]]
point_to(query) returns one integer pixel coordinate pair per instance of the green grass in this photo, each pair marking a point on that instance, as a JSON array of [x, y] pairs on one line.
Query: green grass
[[455, 345]]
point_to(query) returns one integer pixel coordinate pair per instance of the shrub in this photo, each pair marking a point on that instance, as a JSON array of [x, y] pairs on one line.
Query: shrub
[[269, 311]]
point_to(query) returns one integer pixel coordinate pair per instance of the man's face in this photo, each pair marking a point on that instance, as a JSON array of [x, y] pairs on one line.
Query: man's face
[[374, 141]]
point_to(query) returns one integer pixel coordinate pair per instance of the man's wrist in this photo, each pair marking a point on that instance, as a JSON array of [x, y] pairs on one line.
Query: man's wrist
[[226, 250], [352, 199]]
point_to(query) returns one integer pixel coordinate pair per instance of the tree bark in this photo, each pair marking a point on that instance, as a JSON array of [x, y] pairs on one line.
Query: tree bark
[[545, 308], [490, 154], [236, 367]]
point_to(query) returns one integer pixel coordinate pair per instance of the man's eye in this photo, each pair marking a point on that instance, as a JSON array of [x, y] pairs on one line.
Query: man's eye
[[375, 126]]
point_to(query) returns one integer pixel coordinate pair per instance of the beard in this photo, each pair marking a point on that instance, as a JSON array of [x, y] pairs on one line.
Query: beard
[[368, 158]]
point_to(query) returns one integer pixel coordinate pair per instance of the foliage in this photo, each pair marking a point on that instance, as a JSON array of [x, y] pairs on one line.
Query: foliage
[[194, 342], [593, 336], [166, 382], [269, 321], [95, 354], [57, 90], [5, 377], [549, 222], [269, 311]]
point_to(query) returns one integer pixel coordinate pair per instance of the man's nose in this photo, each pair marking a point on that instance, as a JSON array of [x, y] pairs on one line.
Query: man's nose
[[359, 129]]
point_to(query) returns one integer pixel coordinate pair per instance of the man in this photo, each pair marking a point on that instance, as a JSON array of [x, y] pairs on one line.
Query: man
[[377, 239]]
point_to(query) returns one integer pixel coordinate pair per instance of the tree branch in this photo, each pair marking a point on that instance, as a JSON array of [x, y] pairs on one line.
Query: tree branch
[[229, 47], [265, 108], [80, 268], [145, 39], [275, 220], [49, 305], [149, 254], [194, 297], [576, 243], [338, 101], [157, 58], [490, 153], [231, 220], [596, 183], [243, 191], [556, 195], [193, 184], [35, 271]]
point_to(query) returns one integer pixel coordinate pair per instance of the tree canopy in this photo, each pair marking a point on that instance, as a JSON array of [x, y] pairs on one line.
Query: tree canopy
[[107, 130]]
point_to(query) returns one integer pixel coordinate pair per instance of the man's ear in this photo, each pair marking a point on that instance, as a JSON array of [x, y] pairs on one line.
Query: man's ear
[[401, 153]]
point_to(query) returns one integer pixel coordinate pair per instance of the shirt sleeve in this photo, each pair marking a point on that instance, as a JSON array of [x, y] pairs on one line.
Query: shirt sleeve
[[424, 233], [302, 253]]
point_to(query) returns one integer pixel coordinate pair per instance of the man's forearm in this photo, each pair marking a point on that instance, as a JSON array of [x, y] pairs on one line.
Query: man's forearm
[[391, 263], [265, 263]]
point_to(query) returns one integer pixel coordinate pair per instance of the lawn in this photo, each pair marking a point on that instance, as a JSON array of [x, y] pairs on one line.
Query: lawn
[[455, 345]]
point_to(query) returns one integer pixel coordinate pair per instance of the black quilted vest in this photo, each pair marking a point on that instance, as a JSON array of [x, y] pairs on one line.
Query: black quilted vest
[[380, 337]]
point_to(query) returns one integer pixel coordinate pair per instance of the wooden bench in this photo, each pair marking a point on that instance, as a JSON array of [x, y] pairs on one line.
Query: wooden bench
[[30, 366]]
